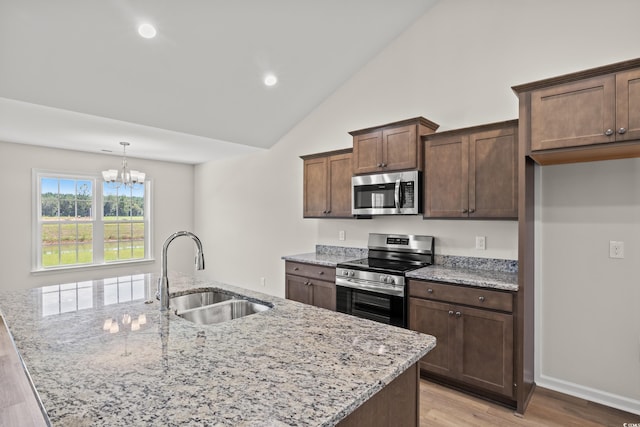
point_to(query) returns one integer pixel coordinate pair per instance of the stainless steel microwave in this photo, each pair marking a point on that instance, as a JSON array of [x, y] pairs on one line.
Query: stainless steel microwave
[[393, 193]]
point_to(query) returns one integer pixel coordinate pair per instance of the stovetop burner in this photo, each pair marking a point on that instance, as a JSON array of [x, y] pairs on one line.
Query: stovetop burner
[[383, 265]]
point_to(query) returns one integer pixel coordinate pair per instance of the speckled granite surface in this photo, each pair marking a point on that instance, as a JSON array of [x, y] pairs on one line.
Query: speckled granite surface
[[329, 256], [474, 263], [292, 365], [506, 281], [472, 271]]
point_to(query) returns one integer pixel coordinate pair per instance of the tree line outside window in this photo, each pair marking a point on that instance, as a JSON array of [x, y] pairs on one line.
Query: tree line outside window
[[67, 222]]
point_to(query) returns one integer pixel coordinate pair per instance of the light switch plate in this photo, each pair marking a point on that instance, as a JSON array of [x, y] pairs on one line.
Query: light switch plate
[[481, 243]]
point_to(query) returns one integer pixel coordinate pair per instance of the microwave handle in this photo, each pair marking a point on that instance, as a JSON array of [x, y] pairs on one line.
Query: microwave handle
[[397, 194]]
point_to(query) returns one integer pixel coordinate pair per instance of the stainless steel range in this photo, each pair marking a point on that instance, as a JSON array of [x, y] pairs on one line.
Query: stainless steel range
[[374, 288]]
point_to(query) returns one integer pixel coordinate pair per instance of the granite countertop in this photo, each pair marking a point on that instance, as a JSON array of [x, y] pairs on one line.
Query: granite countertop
[[493, 273], [292, 365], [327, 260], [329, 256], [506, 281]]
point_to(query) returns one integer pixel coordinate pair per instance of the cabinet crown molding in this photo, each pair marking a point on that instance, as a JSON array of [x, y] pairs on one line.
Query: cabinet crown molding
[[416, 121], [327, 153], [472, 129], [579, 75]]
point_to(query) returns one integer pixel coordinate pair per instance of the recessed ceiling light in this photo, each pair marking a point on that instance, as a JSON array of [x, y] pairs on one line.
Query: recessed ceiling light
[[270, 80], [147, 31]]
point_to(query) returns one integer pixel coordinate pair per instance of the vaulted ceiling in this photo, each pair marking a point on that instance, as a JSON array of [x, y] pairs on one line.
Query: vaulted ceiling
[[76, 74]]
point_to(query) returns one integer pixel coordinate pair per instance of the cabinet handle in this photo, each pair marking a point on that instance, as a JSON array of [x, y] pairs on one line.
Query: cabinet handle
[[296, 269], [384, 165], [458, 314], [450, 312], [622, 131], [329, 211], [308, 283], [472, 210], [430, 290], [608, 132], [464, 211], [321, 273], [481, 299], [379, 165]]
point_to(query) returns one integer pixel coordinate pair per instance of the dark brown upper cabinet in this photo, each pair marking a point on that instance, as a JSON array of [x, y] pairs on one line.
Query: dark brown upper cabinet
[[327, 185], [585, 116], [472, 172], [391, 147]]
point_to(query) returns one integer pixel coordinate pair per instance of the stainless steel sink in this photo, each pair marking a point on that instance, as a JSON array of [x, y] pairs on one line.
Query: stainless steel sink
[[198, 299], [209, 306], [222, 311]]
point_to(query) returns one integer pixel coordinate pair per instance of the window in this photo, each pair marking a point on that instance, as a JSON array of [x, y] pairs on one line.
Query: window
[[82, 221], [124, 224]]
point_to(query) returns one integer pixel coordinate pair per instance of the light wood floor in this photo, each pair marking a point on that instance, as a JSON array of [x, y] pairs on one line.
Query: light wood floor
[[439, 406]]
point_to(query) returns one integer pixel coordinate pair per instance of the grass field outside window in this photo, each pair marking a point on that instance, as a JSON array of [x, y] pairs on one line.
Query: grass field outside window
[[79, 226]]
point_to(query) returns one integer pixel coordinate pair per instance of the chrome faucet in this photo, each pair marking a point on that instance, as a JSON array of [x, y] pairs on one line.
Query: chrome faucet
[[163, 282]]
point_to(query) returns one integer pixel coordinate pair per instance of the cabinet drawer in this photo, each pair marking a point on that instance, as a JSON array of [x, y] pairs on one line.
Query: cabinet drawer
[[476, 297], [312, 271]]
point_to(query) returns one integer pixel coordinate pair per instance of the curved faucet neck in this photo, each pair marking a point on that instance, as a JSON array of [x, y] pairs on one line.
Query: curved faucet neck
[[163, 283], [170, 239]]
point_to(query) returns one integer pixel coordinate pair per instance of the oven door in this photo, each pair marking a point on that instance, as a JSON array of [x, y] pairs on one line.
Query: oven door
[[383, 308]]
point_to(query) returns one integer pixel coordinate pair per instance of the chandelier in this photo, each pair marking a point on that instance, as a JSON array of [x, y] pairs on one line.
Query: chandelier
[[124, 175]]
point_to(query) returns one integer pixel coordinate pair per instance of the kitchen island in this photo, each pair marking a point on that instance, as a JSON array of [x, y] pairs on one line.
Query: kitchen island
[[101, 353]]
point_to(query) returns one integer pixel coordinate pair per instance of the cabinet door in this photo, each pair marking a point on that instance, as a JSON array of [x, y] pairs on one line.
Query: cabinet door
[[573, 114], [400, 148], [435, 319], [367, 152], [298, 289], [340, 171], [446, 189], [628, 105], [324, 294], [493, 174], [484, 349], [315, 187]]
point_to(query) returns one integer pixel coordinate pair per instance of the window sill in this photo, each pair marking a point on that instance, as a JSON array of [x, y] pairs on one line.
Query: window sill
[[72, 268]]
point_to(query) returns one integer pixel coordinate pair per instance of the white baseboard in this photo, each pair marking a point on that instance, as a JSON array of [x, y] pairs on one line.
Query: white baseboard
[[591, 394]]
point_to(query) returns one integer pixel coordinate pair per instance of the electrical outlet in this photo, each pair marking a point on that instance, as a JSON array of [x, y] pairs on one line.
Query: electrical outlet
[[481, 243], [616, 249], [341, 235], [263, 282]]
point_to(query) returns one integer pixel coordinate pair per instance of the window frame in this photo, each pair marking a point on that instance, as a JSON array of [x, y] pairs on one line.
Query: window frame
[[97, 220]]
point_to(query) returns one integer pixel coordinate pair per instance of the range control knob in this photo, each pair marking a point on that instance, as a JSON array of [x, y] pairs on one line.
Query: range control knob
[[345, 272], [351, 273], [391, 280]]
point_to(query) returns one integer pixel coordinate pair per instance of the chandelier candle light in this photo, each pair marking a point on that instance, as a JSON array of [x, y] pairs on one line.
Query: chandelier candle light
[[124, 176]]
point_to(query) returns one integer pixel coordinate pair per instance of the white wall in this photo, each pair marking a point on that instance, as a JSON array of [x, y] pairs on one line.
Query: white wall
[[172, 192], [588, 308], [454, 66]]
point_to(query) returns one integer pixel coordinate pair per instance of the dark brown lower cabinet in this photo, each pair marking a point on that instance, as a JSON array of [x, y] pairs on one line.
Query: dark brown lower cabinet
[[397, 404], [311, 284], [475, 336]]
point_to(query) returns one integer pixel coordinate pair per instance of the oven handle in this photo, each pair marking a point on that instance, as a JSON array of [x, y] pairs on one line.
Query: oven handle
[[370, 286], [397, 194]]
